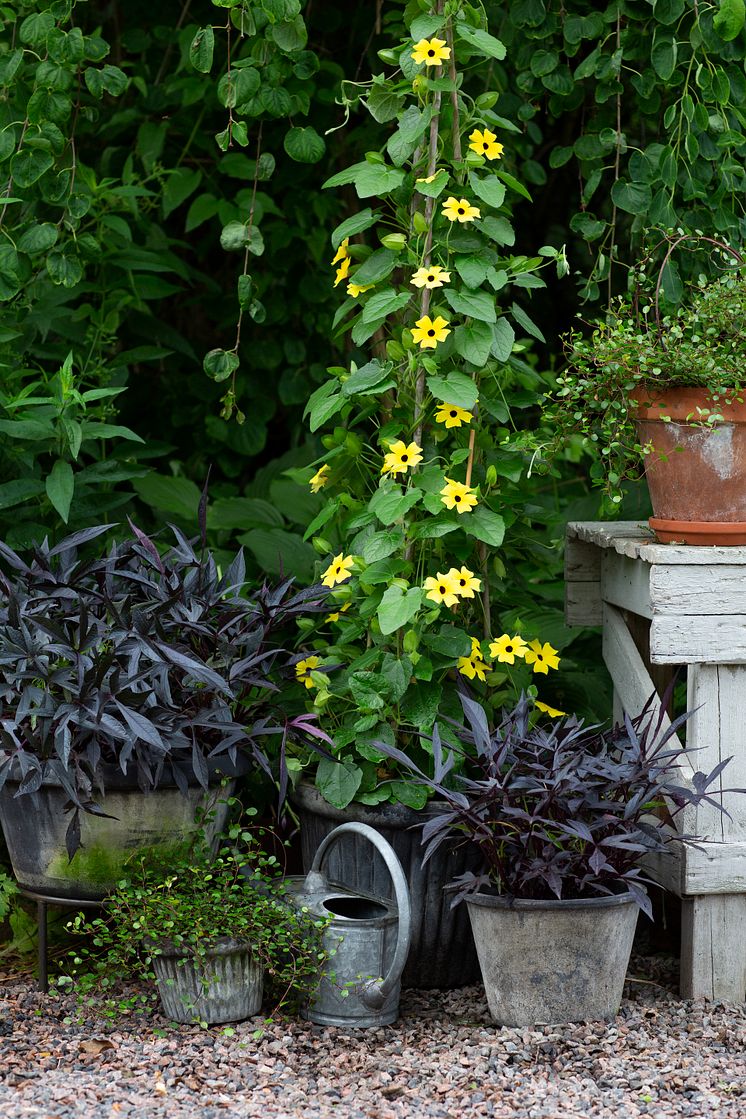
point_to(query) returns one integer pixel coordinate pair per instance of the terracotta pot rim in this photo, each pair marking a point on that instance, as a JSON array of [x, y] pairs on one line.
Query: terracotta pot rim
[[678, 402], [730, 534]]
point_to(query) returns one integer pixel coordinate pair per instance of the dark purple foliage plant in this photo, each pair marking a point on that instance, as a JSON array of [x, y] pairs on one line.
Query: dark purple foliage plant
[[149, 665], [556, 809]]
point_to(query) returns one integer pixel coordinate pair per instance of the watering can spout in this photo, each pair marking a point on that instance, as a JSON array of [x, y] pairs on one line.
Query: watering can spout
[[314, 882]]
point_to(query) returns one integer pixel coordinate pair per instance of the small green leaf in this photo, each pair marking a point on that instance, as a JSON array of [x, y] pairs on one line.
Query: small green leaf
[[474, 342], [378, 266], [482, 41], [338, 781], [730, 19], [304, 145], [358, 223], [489, 189], [456, 389], [475, 304], [201, 50], [633, 198], [60, 484], [29, 165], [485, 525], [220, 364], [503, 338], [391, 504], [38, 238], [398, 607]]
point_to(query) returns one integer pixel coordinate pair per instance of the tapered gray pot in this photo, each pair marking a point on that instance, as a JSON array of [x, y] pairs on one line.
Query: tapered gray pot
[[553, 961], [224, 987], [442, 953]]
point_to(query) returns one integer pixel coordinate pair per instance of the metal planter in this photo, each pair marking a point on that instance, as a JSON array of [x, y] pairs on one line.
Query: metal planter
[[442, 953], [224, 987]]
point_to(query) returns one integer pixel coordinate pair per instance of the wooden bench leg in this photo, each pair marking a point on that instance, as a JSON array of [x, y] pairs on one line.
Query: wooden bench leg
[[713, 947]]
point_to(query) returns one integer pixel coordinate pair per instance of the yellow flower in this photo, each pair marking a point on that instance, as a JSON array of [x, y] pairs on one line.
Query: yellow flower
[[455, 495], [335, 616], [431, 51], [338, 570], [507, 648], [428, 332], [458, 209], [433, 277], [441, 588], [542, 657], [401, 457], [342, 252], [474, 664], [430, 178], [304, 668], [355, 290], [552, 712], [485, 143], [466, 582], [342, 271], [320, 478], [453, 416]]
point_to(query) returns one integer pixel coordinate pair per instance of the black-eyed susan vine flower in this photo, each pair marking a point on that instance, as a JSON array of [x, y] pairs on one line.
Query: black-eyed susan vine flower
[[552, 712], [474, 665], [320, 479], [442, 589], [458, 496], [338, 570], [355, 290], [541, 657], [458, 209], [466, 581], [304, 668], [506, 648], [342, 271], [401, 457], [336, 614], [486, 143], [428, 332], [453, 416], [432, 277], [431, 51], [342, 252]]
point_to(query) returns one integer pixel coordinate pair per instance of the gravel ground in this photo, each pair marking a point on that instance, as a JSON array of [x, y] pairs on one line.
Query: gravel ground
[[442, 1060]]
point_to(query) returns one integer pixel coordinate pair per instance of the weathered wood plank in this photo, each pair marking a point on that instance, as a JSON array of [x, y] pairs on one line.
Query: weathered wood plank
[[632, 684], [626, 582], [713, 868], [583, 604], [582, 561], [684, 589], [713, 947], [635, 539], [698, 639], [716, 730]]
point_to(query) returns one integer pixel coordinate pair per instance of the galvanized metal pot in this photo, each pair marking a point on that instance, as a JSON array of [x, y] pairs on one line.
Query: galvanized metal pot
[[225, 987], [442, 954], [369, 936], [553, 961]]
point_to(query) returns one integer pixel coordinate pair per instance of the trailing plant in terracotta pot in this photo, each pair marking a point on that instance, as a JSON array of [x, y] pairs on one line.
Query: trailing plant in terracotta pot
[[208, 929], [560, 817], [421, 448], [130, 683], [663, 393]]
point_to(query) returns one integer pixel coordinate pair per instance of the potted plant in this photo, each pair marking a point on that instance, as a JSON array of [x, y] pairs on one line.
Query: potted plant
[[664, 393], [560, 817], [130, 683], [420, 460], [207, 929]]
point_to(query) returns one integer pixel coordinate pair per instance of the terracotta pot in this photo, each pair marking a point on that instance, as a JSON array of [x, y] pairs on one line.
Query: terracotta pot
[[696, 474]]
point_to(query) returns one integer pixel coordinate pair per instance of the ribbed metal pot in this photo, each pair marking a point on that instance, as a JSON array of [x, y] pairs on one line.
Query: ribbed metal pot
[[548, 962], [442, 953], [224, 987]]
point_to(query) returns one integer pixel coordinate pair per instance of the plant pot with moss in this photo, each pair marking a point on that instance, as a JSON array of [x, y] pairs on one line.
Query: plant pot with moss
[[132, 684]]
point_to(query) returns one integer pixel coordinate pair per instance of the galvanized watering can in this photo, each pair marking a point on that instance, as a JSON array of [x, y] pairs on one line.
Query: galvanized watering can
[[370, 935]]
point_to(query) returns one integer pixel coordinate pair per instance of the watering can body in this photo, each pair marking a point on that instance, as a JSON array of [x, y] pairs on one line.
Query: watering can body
[[368, 936]]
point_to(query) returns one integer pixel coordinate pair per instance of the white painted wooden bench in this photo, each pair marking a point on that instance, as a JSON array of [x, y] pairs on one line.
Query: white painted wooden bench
[[662, 605]]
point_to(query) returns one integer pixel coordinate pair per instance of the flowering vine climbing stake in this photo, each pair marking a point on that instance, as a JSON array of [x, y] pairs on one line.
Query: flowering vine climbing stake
[[414, 466]]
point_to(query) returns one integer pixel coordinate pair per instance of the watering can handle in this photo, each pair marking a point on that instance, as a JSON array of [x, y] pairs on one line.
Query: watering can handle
[[376, 991]]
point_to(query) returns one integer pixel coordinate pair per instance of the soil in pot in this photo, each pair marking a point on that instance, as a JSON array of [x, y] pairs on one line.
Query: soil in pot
[[696, 474], [548, 962], [442, 952]]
